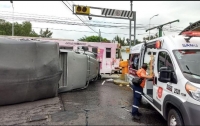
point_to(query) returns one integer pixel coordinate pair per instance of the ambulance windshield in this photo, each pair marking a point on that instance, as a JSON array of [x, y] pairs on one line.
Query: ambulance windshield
[[188, 61]]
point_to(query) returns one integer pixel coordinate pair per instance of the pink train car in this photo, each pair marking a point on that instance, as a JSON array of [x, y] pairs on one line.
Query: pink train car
[[106, 53]]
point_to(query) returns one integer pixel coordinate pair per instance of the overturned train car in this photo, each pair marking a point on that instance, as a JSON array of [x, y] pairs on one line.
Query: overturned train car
[[79, 68], [32, 70], [29, 70]]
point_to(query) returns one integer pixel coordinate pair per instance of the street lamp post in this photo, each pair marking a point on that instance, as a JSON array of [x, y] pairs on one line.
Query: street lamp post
[[149, 23], [13, 18]]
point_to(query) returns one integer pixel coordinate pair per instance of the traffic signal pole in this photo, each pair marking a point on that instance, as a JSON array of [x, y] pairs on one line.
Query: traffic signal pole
[[130, 26], [134, 42], [161, 26], [109, 13]]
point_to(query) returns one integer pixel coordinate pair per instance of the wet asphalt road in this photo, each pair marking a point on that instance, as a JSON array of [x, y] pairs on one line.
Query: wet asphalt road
[[97, 105], [105, 106]]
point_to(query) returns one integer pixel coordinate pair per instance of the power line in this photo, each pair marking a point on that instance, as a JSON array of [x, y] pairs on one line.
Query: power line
[[64, 18], [47, 19], [50, 17], [66, 22], [80, 19], [85, 31], [98, 26], [72, 23]]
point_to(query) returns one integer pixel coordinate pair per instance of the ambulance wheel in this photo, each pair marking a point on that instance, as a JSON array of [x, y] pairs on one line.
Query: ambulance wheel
[[174, 118]]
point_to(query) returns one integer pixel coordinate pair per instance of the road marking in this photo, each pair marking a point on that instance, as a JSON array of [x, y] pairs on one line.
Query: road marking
[[126, 109], [109, 80], [103, 82]]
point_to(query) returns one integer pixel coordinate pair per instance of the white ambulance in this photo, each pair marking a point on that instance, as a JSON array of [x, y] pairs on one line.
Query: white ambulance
[[175, 90]]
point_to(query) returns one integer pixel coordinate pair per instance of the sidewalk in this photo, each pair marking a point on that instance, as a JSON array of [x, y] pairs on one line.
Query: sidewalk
[[116, 79], [121, 82], [112, 76]]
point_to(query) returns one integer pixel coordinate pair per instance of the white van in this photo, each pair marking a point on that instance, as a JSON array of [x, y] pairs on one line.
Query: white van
[[175, 90]]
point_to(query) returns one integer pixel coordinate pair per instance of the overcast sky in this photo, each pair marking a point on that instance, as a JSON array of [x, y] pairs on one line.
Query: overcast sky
[[185, 11]]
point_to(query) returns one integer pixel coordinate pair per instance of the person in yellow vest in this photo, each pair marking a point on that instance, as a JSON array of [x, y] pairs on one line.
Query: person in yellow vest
[[138, 91]]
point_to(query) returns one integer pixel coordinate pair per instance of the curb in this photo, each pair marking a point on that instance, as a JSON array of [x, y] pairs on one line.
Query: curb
[[110, 76], [121, 83]]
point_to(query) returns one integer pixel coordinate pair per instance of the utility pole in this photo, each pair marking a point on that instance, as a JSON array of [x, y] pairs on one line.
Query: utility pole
[[13, 18], [161, 26], [135, 30], [130, 26], [99, 35]]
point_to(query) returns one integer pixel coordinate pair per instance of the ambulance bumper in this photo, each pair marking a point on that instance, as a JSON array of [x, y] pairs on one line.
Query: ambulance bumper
[[191, 114]]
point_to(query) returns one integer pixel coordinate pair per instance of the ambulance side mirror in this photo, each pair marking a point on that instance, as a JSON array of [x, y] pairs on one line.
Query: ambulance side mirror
[[165, 75]]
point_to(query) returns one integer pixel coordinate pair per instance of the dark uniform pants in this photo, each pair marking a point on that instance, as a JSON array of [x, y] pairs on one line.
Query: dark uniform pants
[[137, 96]]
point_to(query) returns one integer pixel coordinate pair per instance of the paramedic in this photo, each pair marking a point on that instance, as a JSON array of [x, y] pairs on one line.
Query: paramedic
[[138, 91]]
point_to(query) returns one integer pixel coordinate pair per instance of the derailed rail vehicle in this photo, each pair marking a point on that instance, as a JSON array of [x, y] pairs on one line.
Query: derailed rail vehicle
[[31, 70], [79, 68]]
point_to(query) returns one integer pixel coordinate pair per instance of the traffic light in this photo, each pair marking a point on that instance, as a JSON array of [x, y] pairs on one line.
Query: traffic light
[[82, 10]]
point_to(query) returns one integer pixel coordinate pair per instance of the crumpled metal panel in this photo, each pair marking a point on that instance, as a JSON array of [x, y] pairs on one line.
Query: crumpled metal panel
[[74, 71], [78, 69], [29, 70]]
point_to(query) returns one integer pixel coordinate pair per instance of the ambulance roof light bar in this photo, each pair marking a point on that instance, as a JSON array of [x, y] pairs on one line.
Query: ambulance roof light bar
[[190, 34]]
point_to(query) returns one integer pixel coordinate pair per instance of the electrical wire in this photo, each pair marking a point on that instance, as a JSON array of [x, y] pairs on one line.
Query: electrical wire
[[175, 29], [37, 17], [67, 22], [64, 18], [74, 23], [80, 19], [86, 31], [97, 25]]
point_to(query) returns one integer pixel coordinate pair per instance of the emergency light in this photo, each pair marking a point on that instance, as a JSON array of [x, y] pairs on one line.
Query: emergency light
[[158, 44], [191, 33]]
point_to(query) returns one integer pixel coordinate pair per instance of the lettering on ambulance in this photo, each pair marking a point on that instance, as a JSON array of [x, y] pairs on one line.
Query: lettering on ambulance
[[176, 91], [189, 45], [159, 93], [183, 94], [169, 87]]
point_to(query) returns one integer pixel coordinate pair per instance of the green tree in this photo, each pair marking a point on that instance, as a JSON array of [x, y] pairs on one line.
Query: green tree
[[33, 34], [6, 28], [93, 39], [2, 27], [18, 29], [2, 21], [151, 37], [24, 29], [120, 40], [132, 42], [46, 34]]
